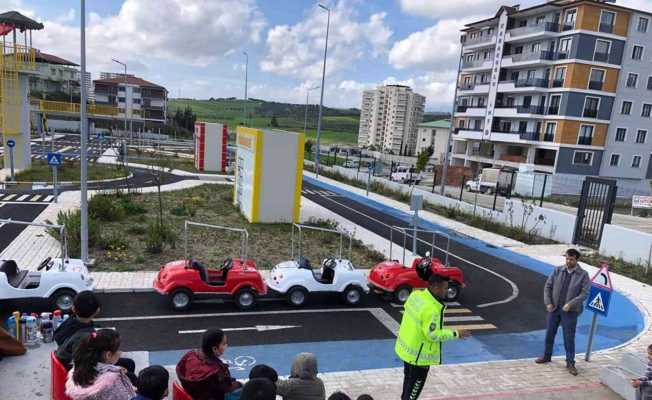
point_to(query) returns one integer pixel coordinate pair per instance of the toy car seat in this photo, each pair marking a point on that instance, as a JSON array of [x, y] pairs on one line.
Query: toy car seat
[[304, 263], [196, 265], [58, 377], [179, 393], [328, 273], [14, 275]]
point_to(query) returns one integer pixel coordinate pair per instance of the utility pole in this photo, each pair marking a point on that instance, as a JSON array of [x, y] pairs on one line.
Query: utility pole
[[444, 175], [321, 99], [305, 118], [246, 78], [83, 138], [124, 158]]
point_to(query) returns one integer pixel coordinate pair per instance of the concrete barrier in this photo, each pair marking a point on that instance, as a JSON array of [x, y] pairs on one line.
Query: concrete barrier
[[630, 245], [617, 378]]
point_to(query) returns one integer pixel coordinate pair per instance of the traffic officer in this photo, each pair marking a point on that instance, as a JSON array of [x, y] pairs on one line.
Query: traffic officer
[[422, 333]]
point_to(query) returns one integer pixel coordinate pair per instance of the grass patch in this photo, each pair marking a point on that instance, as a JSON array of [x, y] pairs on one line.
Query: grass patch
[[69, 171], [619, 266], [134, 242], [168, 162]]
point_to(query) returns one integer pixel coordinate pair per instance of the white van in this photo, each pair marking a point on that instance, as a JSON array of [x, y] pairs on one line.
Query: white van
[[405, 174]]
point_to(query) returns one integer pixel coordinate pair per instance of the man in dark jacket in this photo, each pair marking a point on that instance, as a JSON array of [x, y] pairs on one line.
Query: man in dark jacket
[[564, 294]]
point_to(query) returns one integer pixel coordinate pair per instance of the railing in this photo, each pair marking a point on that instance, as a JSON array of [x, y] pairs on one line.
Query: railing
[[528, 30], [530, 109], [511, 158], [590, 113], [467, 86], [536, 82], [606, 28], [595, 85], [479, 40], [585, 140], [553, 110], [62, 106], [461, 109], [529, 136], [602, 57], [475, 63], [17, 57]]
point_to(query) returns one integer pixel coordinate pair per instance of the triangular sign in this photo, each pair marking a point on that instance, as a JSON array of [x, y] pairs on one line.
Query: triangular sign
[[602, 278], [597, 303], [54, 160]]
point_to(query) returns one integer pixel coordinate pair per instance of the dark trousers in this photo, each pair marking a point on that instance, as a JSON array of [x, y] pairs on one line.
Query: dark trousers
[[414, 378], [568, 321]]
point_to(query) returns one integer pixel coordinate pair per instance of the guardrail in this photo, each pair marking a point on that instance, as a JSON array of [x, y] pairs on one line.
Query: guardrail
[[65, 107]]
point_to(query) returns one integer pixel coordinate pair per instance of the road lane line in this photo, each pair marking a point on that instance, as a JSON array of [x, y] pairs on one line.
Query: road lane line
[[48, 198], [457, 311], [23, 197], [477, 327], [515, 290], [11, 196], [465, 318]]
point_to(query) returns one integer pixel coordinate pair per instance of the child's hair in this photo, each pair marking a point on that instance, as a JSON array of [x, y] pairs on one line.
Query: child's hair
[[649, 348], [85, 304], [210, 339], [263, 371], [259, 389], [339, 396], [90, 352], [365, 397], [153, 382]]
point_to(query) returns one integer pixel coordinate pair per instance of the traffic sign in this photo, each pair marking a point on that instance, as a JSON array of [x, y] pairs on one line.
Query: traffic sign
[[599, 300], [54, 159], [602, 278], [99, 136], [11, 143]]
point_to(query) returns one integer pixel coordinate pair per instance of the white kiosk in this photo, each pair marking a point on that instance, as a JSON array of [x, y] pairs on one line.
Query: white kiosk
[[268, 175], [210, 146]]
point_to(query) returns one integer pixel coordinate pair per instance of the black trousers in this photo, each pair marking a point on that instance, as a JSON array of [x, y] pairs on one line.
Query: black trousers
[[414, 378]]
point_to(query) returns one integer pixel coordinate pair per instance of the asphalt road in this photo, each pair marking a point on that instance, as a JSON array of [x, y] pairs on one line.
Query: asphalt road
[[20, 212], [488, 279]]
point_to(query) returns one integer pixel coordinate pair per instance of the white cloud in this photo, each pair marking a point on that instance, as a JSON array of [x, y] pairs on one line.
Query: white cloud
[[191, 32], [298, 50], [437, 9]]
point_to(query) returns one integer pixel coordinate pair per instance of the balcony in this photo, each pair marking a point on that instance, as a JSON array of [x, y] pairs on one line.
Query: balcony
[[590, 113], [469, 133], [484, 39], [585, 140], [601, 57], [471, 111], [522, 109], [556, 83], [595, 85], [532, 136], [474, 88], [606, 28], [554, 110], [513, 158], [551, 27], [548, 137], [477, 64], [536, 82], [534, 56]]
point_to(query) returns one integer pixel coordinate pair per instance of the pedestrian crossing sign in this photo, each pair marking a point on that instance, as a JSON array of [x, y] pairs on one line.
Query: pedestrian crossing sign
[[599, 299], [54, 159]]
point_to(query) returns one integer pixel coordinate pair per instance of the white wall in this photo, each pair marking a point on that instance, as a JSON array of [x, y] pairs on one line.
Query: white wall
[[551, 224], [630, 245]]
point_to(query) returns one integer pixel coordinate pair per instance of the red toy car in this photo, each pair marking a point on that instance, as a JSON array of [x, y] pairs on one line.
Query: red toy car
[[394, 279], [184, 280]]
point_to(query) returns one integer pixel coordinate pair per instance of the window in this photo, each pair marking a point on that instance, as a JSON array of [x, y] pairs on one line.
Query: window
[[535, 47], [649, 82], [583, 158], [571, 16], [549, 135], [490, 31], [642, 24], [565, 45], [601, 50], [626, 108], [621, 133], [636, 162], [637, 53], [632, 80], [596, 79], [607, 19], [555, 100], [121, 88], [121, 99], [641, 135], [647, 109], [560, 75], [135, 101], [586, 135], [615, 160], [591, 105]]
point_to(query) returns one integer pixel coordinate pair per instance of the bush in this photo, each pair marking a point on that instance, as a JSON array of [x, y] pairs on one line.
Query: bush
[[137, 230], [71, 220], [114, 242], [130, 207], [104, 208], [158, 235], [179, 211]]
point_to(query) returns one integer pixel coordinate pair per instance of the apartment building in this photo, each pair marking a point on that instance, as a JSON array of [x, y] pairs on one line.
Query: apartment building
[[389, 116], [145, 103], [542, 88], [55, 78], [435, 134]]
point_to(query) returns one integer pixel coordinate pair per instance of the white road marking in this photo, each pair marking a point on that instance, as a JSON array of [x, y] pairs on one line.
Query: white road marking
[[35, 198], [258, 328], [515, 290], [23, 197], [48, 198], [11, 196], [476, 327], [465, 318]]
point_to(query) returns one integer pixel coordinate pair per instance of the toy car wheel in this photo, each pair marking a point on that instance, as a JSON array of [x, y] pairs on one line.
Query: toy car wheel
[[352, 295], [402, 293], [63, 299], [180, 299], [245, 299], [297, 296], [453, 292]]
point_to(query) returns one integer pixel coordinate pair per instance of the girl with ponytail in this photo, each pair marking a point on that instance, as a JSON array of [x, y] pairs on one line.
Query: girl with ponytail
[[94, 375]]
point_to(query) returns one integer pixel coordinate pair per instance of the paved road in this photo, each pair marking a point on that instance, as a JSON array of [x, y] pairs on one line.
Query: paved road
[[21, 212]]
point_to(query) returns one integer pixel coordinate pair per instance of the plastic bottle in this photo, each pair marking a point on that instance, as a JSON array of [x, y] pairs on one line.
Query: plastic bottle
[[56, 319], [31, 330], [16, 318], [11, 326], [47, 330], [38, 321], [22, 331]]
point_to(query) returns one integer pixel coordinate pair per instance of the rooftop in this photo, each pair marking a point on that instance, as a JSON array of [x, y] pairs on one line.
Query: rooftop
[[130, 80], [52, 59], [442, 123]]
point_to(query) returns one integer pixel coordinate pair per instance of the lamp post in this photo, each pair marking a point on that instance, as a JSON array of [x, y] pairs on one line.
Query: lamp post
[[444, 174], [245, 93], [125, 79], [82, 138], [305, 118], [321, 99]]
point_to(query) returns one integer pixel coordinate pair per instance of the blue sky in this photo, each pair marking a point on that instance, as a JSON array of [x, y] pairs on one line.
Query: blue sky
[[194, 47]]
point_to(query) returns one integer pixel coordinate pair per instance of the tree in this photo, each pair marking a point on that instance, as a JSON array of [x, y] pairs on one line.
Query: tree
[[274, 122], [422, 160]]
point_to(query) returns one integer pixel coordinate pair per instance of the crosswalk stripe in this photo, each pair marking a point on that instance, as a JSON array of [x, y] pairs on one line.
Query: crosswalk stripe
[[23, 197], [11, 196], [35, 198], [477, 327], [48, 198], [465, 318], [457, 311]]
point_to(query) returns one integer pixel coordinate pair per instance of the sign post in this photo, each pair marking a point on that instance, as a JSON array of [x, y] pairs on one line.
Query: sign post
[[598, 301], [54, 160], [416, 204], [368, 179], [99, 136], [11, 143]]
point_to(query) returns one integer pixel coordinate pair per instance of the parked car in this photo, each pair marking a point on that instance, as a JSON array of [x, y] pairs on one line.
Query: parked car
[[183, 281], [56, 279], [296, 280], [351, 164], [395, 280], [405, 174], [490, 180]]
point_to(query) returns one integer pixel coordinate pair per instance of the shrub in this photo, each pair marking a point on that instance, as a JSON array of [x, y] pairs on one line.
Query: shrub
[[104, 208], [158, 235], [179, 211], [115, 242], [71, 220], [137, 230], [139, 260], [130, 207]]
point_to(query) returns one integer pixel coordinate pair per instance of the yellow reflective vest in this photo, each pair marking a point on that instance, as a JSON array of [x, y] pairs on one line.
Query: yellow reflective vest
[[422, 330]]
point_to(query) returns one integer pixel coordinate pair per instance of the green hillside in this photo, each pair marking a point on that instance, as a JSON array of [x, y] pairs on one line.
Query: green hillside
[[338, 125]]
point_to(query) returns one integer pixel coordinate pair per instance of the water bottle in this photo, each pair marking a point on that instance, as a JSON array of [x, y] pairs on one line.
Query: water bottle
[[11, 326], [30, 330], [22, 332], [16, 324], [57, 320], [38, 321], [47, 330]]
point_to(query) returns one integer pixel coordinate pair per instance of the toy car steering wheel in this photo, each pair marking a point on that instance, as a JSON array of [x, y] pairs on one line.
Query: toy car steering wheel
[[226, 264], [44, 264]]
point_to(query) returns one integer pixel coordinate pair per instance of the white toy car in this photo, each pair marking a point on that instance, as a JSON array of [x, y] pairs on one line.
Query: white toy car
[[56, 279], [296, 279]]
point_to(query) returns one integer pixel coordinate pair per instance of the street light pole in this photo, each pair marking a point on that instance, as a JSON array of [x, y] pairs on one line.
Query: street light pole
[[83, 137], [125, 79], [305, 118], [321, 99], [444, 174], [246, 77]]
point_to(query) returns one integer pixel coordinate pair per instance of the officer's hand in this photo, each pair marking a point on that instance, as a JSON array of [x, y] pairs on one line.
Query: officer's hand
[[636, 383], [566, 307], [550, 307], [463, 333]]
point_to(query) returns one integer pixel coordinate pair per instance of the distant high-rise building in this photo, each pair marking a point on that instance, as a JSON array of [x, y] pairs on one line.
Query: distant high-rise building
[[389, 116]]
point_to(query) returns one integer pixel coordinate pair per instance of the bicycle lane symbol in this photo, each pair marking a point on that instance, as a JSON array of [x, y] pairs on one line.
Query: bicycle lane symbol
[[240, 363]]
